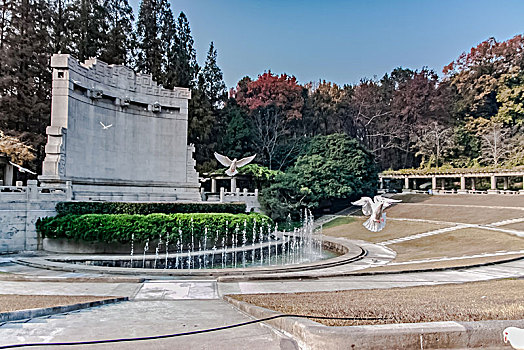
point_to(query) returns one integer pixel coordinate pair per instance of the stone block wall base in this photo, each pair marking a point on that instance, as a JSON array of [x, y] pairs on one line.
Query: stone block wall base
[[493, 191]]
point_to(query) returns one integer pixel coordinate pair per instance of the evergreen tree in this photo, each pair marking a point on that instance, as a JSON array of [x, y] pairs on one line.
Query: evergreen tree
[[60, 17], [88, 28], [155, 32], [182, 64], [25, 77], [213, 83], [119, 38]]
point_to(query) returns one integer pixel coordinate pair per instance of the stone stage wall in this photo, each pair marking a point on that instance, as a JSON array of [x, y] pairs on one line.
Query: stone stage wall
[[143, 155]]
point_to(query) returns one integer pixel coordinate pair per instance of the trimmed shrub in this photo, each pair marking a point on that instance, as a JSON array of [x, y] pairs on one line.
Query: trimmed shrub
[[121, 227], [80, 208]]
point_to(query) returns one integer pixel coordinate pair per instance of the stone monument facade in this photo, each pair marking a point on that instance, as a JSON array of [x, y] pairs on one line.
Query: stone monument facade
[[117, 135]]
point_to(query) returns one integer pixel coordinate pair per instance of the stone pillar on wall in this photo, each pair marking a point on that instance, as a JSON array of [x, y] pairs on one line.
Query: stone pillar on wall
[[213, 185], [443, 184], [233, 184], [433, 183], [506, 183], [8, 175], [473, 184], [406, 184], [493, 188], [462, 185]]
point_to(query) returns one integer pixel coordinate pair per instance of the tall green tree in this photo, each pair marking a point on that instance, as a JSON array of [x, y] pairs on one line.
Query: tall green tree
[[119, 38], [182, 67], [88, 27], [25, 77], [213, 82], [155, 31]]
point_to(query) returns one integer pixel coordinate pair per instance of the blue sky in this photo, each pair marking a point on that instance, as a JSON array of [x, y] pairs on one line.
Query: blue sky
[[343, 41]]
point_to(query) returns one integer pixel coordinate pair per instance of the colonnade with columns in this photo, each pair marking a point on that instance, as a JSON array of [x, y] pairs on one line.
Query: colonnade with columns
[[468, 181]]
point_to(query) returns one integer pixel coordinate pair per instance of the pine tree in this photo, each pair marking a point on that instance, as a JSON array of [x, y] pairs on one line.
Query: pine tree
[[213, 83], [182, 68], [155, 32], [88, 28], [119, 39], [25, 77]]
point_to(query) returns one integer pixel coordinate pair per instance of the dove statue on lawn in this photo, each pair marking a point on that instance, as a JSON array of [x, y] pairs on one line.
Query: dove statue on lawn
[[234, 164], [515, 336], [375, 209]]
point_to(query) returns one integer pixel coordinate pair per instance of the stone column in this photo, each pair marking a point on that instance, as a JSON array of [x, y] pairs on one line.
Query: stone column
[[8, 175], [443, 183], [406, 184], [433, 183], [380, 183], [222, 194], [506, 183], [522, 190], [493, 185], [233, 184], [213, 185], [462, 184], [473, 184]]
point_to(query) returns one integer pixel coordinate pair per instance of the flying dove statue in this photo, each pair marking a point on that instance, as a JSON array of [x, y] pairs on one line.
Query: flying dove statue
[[375, 210], [234, 164], [22, 169], [515, 336]]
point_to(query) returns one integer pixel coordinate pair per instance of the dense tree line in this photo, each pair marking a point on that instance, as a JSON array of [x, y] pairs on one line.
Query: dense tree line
[[157, 43], [470, 116]]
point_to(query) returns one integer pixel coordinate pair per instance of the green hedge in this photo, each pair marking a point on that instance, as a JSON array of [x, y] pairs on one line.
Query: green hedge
[[120, 227], [79, 208]]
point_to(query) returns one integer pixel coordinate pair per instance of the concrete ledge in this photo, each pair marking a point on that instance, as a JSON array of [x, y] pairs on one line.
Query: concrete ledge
[[32, 313], [429, 335]]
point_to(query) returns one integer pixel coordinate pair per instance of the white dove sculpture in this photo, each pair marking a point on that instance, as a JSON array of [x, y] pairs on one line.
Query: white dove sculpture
[[375, 209], [515, 336], [22, 169], [105, 127], [234, 164]]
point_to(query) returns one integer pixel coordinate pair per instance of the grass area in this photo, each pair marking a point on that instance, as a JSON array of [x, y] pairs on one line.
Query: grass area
[[394, 229], [464, 199], [14, 302], [443, 264], [467, 241], [492, 300], [466, 214], [344, 220], [519, 226]]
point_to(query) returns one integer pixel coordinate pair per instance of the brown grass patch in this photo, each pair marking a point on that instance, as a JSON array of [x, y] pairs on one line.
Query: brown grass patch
[[13, 302], [492, 300], [462, 242], [443, 264], [394, 229], [453, 214], [464, 199], [519, 226]]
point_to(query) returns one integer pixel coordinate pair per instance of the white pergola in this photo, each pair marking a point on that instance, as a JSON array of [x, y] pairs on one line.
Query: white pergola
[[463, 176]]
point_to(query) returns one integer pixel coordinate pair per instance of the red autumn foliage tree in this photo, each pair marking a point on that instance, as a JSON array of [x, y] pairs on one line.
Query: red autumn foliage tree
[[281, 91]]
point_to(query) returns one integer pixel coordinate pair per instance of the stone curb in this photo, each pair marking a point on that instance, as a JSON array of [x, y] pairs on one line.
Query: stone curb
[[428, 335], [101, 279], [32, 313]]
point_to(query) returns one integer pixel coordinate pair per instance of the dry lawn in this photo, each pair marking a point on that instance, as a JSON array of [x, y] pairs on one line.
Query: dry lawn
[[519, 226], [13, 302], [464, 199], [394, 229], [462, 242], [461, 214], [443, 264], [493, 300]]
